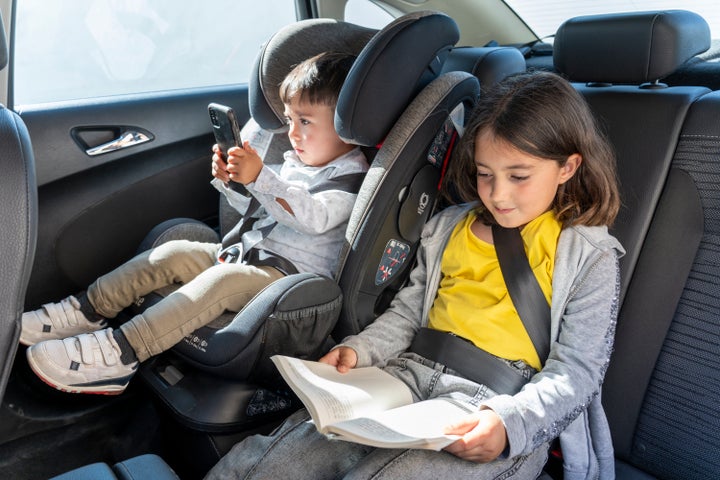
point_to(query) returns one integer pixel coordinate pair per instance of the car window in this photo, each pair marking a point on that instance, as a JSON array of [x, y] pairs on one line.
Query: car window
[[367, 14], [92, 48], [545, 17]]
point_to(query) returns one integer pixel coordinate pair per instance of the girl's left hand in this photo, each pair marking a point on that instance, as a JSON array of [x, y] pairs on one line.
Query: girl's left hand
[[483, 437]]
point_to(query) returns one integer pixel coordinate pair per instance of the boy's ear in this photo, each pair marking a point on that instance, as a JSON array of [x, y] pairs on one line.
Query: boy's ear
[[571, 165]]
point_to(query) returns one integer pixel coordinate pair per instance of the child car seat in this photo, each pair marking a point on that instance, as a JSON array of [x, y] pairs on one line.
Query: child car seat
[[372, 109]]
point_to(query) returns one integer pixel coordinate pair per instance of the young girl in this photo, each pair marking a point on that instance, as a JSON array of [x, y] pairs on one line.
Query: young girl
[[534, 157]]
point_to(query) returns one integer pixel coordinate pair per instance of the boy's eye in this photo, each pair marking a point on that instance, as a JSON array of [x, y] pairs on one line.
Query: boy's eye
[[304, 121]]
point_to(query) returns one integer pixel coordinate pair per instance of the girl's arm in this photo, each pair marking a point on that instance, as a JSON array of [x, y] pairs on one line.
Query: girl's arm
[[392, 332], [573, 373]]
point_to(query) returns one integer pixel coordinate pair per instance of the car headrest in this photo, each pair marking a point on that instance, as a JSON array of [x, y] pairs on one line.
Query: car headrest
[[3, 46], [394, 66], [628, 47], [287, 48], [488, 64]]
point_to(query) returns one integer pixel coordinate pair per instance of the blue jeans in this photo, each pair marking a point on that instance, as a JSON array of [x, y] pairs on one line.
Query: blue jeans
[[297, 451]]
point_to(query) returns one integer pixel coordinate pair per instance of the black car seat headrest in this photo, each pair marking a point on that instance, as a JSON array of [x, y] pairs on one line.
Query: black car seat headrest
[[394, 66], [628, 47], [488, 64], [287, 48]]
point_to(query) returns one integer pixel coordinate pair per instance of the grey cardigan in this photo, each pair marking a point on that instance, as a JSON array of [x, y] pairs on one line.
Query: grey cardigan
[[564, 397]]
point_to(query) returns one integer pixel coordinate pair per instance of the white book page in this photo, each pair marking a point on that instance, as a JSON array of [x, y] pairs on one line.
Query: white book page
[[331, 396], [418, 425]]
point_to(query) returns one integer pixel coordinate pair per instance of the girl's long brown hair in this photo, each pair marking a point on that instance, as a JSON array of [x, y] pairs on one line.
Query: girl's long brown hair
[[541, 114]]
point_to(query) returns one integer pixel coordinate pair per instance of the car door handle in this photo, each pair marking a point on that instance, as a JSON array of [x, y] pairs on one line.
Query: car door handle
[[128, 138]]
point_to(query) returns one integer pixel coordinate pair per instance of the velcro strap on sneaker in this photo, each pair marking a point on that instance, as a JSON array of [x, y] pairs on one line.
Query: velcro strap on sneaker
[[106, 346]]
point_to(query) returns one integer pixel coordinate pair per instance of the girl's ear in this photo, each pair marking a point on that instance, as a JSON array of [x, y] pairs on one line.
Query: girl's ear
[[571, 165]]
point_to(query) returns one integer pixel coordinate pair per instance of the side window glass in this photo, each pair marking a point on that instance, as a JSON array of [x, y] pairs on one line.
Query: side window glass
[[90, 48], [366, 13]]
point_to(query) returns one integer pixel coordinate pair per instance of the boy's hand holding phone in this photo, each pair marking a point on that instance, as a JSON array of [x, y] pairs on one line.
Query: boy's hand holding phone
[[243, 164], [228, 152]]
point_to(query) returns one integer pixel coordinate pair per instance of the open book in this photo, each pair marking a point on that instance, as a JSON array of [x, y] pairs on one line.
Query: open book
[[370, 406]]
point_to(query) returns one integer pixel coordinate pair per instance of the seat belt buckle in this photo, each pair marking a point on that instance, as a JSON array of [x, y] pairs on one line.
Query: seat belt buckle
[[231, 254]]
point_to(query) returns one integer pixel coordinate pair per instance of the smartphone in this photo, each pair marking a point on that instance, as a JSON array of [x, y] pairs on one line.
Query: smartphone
[[225, 127], [227, 135]]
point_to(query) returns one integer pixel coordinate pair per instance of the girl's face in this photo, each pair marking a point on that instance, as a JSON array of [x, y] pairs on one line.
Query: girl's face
[[312, 133], [514, 186]]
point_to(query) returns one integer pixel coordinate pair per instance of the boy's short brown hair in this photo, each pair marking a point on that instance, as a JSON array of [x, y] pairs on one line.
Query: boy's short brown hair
[[318, 79]]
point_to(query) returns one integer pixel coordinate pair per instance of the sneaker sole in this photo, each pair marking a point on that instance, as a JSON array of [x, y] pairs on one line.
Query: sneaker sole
[[93, 389]]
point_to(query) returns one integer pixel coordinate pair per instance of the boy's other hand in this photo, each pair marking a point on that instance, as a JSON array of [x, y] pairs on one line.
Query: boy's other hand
[[342, 358], [219, 167], [243, 164]]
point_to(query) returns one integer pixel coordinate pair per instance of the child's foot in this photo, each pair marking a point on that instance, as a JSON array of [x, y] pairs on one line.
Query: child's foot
[[56, 321], [88, 363]]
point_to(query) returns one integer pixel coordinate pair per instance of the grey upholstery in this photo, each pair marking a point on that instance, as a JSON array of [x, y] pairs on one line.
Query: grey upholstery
[[142, 467], [18, 235], [643, 124], [488, 64], [660, 392]]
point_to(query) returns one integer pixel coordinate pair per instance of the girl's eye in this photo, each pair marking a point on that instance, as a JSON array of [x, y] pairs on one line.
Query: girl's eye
[[519, 178], [483, 175]]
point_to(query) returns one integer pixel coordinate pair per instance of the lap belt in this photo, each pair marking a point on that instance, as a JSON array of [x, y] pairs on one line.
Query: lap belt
[[468, 360]]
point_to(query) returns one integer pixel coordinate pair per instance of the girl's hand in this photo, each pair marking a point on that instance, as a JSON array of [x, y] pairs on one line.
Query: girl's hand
[[342, 358], [219, 167], [243, 164], [483, 437]]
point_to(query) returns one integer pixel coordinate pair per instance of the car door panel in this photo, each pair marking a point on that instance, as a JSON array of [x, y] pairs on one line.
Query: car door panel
[[95, 210]]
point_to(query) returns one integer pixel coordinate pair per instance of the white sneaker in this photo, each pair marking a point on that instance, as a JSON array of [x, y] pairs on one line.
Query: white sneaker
[[56, 321], [87, 363]]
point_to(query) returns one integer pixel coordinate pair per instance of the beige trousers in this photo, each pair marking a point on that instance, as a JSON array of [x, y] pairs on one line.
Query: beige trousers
[[205, 291]]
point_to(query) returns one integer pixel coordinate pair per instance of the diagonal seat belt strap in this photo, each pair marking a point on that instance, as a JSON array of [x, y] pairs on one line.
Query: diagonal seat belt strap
[[525, 292]]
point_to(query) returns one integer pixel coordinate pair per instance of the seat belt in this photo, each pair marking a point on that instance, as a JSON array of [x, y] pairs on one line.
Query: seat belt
[[523, 287], [475, 363]]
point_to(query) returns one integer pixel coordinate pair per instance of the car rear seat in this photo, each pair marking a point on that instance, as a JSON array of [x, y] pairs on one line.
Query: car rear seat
[[661, 390], [642, 117]]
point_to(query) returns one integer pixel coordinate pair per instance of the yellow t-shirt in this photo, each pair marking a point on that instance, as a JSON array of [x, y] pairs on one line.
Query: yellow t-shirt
[[472, 300]]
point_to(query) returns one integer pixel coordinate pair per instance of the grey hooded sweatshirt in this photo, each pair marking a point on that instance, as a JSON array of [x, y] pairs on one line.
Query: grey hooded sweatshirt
[[563, 399]]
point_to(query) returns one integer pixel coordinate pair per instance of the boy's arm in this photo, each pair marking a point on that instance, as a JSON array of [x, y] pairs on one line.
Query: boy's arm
[[297, 208], [236, 199]]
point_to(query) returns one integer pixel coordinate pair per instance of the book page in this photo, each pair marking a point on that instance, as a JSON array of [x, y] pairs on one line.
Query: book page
[[418, 425], [331, 396]]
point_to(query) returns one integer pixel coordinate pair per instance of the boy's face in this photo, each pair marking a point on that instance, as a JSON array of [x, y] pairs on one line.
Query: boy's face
[[312, 133]]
